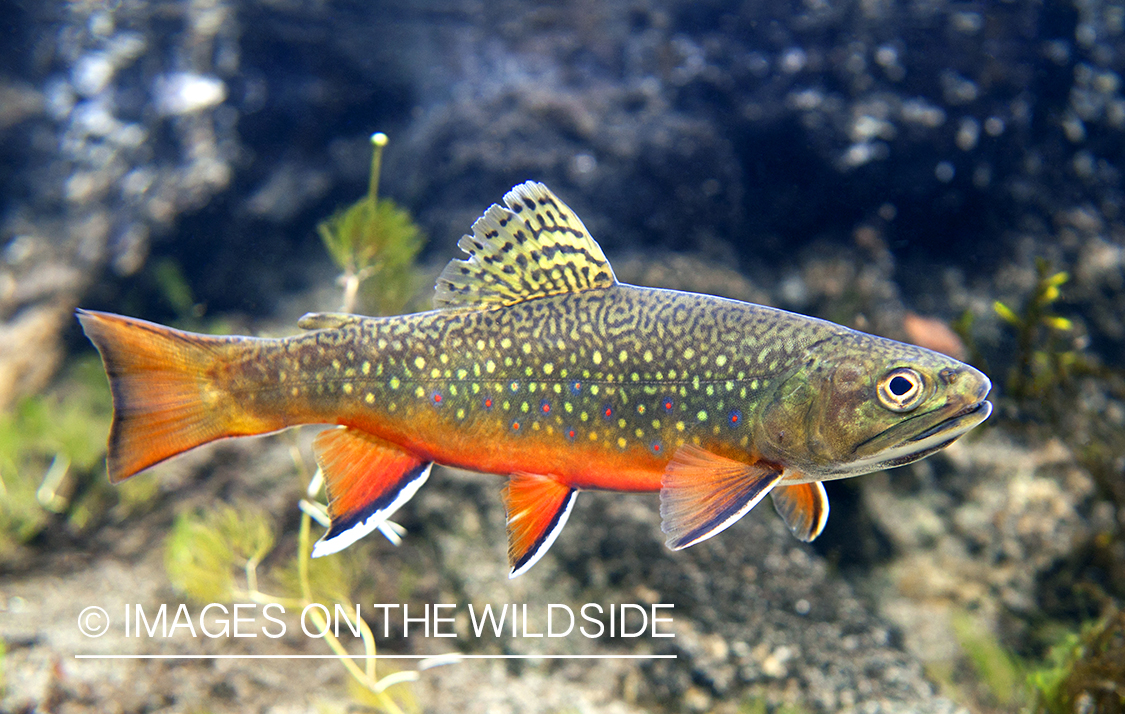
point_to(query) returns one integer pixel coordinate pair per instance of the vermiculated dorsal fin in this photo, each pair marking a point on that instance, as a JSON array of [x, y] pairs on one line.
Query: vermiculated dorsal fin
[[533, 248]]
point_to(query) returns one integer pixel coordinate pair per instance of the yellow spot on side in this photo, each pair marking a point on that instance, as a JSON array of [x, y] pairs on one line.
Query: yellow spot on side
[[369, 398], [621, 442], [347, 387], [366, 368], [597, 357], [490, 366]]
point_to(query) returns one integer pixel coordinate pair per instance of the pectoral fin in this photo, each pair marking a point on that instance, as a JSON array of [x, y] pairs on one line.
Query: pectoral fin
[[367, 480], [703, 494], [538, 507], [804, 508]]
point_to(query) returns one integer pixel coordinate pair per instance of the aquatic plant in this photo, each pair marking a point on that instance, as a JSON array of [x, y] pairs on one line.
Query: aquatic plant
[[1085, 672], [374, 242], [52, 449], [1044, 359], [999, 671], [215, 557]]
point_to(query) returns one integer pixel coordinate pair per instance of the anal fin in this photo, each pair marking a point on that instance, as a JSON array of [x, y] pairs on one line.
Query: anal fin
[[703, 494], [537, 507], [803, 507], [367, 480]]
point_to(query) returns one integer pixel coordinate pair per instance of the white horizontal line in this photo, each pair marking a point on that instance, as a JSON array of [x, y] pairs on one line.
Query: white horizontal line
[[450, 657]]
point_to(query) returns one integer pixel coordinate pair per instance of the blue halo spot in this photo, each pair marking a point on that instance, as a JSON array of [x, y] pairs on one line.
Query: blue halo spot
[[570, 433], [545, 407], [667, 404], [487, 403], [575, 387], [514, 386], [734, 418], [656, 447], [436, 398], [607, 411]]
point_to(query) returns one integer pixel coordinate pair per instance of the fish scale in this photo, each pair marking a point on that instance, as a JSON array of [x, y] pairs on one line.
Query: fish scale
[[690, 370], [540, 366]]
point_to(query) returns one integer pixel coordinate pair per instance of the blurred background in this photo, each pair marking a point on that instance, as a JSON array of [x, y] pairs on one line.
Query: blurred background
[[947, 173]]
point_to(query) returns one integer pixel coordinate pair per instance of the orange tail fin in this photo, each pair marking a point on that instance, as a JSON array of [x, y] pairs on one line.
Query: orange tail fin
[[166, 396]]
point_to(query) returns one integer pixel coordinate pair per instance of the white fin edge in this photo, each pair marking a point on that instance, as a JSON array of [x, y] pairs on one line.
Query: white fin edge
[[549, 540], [328, 546], [723, 525]]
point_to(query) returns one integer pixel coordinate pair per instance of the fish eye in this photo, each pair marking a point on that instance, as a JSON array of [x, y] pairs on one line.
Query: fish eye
[[900, 390]]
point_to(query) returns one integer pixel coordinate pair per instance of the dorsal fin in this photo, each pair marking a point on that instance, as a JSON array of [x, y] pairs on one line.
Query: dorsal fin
[[533, 248]]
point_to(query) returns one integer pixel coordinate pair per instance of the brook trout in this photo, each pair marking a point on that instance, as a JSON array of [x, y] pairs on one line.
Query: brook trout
[[538, 365]]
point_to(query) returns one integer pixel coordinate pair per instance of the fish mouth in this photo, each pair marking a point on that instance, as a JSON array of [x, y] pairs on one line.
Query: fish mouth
[[926, 442], [956, 424]]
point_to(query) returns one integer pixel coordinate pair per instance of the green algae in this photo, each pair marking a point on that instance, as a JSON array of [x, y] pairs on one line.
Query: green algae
[[374, 242]]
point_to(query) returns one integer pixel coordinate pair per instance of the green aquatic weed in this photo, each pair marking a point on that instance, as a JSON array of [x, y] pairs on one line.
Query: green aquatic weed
[[1045, 360], [51, 455], [1000, 671], [215, 557], [374, 242], [1085, 671], [202, 551]]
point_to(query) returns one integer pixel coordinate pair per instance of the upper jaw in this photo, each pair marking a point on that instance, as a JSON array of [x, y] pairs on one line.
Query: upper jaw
[[921, 444]]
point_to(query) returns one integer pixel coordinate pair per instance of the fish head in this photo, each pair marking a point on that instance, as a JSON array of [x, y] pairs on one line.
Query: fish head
[[861, 403]]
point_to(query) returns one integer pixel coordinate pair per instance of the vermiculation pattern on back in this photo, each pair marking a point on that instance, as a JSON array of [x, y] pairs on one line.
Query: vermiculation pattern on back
[[620, 368]]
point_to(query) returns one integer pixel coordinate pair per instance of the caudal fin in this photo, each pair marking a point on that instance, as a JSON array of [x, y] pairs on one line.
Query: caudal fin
[[166, 398]]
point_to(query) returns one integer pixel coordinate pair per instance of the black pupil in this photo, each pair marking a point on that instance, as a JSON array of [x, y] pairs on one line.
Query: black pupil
[[900, 386]]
